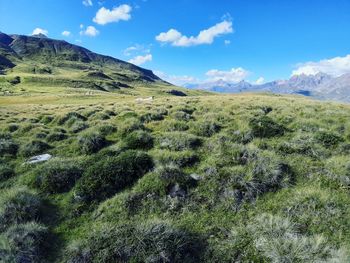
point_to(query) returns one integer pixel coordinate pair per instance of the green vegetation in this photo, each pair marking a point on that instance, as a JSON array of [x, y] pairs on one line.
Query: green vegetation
[[181, 179], [196, 178]]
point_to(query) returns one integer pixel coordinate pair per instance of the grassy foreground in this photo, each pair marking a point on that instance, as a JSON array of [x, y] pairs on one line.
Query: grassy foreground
[[240, 178]]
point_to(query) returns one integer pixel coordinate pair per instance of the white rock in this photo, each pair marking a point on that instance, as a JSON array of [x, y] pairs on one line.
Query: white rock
[[40, 158]]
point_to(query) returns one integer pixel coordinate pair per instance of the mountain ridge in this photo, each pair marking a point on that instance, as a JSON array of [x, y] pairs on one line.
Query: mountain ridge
[[320, 86]]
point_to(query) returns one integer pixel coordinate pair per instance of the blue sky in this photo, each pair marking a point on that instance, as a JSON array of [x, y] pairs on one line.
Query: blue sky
[[240, 39]]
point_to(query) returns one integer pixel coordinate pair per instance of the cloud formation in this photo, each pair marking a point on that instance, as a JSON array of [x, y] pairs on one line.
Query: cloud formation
[[139, 60], [39, 30], [136, 49], [105, 16], [233, 76], [205, 36], [66, 33], [335, 66], [177, 80], [260, 81], [87, 2], [90, 31]]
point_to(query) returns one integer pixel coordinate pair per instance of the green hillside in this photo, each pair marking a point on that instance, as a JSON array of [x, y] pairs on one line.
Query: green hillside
[[194, 178], [37, 64]]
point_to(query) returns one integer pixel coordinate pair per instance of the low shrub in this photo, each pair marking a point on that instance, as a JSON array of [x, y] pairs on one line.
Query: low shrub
[[58, 175], [150, 242], [25, 243], [34, 147], [6, 172], [107, 177], [18, 206], [91, 142], [265, 127], [138, 140], [179, 141]]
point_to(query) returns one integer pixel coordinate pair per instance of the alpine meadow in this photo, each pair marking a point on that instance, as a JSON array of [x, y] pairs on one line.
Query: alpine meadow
[[102, 160]]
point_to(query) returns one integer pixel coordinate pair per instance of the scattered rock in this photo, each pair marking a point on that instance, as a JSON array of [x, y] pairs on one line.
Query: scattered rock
[[177, 191], [39, 158], [196, 177]]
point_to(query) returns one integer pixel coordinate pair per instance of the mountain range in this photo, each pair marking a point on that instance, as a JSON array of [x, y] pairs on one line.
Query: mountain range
[[320, 86]]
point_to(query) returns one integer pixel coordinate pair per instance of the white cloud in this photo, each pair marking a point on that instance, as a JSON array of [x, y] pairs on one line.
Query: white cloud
[[260, 81], [38, 31], [335, 66], [227, 42], [139, 60], [206, 36], [81, 26], [177, 80], [87, 2], [66, 33], [136, 49], [105, 16], [90, 31], [234, 75]]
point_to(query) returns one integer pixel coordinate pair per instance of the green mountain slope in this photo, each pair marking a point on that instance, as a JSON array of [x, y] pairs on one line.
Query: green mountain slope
[[30, 62]]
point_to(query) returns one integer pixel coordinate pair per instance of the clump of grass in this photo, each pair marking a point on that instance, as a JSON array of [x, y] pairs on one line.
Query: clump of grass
[[70, 117], [280, 240], [179, 141], [58, 175], [263, 173], [206, 128], [18, 206], [106, 129], [182, 158], [6, 171], [107, 177], [328, 139], [130, 125], [265, 127], [24, 243], [12, 127], [34, 147], [150, 242], [91, 142], [151, 116], [301, 144], [56, 136], [174, 125], [46, 119], [138, 140], [182, 116], [78, 126], [7, 145]]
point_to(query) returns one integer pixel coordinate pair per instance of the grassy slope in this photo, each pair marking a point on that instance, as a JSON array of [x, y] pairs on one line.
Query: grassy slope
[[233, 205]]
